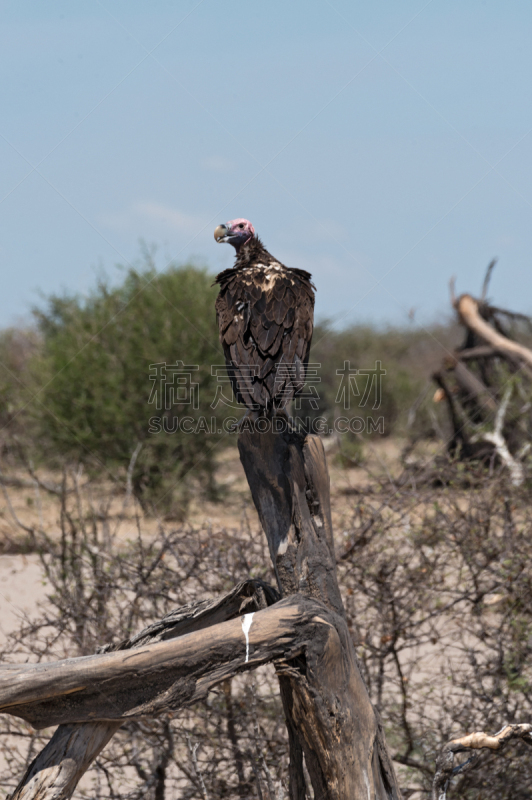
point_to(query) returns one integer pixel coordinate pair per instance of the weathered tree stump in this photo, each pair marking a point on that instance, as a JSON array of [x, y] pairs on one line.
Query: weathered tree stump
[[329, 714]]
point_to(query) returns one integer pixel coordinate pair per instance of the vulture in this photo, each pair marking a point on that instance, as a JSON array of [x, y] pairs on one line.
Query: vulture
[[265, 314]]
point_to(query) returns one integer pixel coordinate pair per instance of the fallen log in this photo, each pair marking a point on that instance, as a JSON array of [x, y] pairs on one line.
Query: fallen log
[[308, 642]]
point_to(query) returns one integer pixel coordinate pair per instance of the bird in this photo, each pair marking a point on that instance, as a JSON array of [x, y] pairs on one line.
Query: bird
[[265, 314]]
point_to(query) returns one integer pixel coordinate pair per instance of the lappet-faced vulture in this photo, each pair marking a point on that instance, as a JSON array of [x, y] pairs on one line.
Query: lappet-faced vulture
[[265, 314]]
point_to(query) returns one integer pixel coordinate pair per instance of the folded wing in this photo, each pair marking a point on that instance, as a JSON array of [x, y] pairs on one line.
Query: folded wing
[[265, 316]]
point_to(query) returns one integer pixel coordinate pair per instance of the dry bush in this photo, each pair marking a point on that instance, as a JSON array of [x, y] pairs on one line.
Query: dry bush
[[437, 588], [437, 585]]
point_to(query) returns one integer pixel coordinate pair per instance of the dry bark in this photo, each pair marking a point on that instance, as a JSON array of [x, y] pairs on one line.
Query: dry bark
[[341, 743], [56, 771]]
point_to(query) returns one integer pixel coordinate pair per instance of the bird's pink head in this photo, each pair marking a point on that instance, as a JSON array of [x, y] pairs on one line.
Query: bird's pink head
[[237, 232]]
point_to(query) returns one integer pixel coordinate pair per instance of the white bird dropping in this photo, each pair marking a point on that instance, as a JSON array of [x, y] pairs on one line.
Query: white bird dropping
[[247, 619]]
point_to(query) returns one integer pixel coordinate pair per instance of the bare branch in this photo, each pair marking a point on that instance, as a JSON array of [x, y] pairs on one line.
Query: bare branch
[[56, 771], [130, 470], [487, 279], [452, 284], [445, 768], [468, 311], [154, 678], [517, 472]]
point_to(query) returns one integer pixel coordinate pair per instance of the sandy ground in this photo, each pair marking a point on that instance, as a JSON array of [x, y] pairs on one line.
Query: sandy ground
[[21, 589]]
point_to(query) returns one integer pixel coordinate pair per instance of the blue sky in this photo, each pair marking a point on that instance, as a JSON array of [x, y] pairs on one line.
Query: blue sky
[[384, 146]]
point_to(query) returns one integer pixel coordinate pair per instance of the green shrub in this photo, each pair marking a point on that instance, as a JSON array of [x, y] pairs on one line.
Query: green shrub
[[96, 379]]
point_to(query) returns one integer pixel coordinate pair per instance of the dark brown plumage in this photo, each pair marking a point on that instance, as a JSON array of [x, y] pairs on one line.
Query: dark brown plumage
[[265, 314]]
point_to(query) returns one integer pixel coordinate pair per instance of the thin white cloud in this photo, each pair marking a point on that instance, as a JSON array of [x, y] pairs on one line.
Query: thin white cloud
[[142, 216], [172, 217]]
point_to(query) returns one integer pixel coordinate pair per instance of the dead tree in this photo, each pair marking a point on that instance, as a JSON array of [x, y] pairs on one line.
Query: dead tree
[[487, 385], [300, 627]]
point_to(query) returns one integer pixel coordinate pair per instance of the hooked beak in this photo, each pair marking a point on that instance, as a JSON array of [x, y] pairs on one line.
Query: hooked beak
[[221, 233]]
